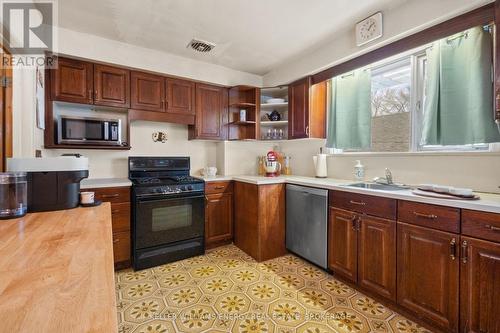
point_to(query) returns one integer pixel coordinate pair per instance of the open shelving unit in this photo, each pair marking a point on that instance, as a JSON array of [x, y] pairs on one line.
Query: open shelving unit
[[244, 98], [273, 130]]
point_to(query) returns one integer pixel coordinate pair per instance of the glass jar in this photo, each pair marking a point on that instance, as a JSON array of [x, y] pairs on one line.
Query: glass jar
[[13, 194]]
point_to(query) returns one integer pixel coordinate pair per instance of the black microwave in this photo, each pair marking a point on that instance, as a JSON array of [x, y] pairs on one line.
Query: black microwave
[[91, 131]]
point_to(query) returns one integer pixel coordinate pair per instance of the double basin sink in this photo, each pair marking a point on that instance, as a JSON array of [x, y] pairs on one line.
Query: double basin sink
[[378, 186]]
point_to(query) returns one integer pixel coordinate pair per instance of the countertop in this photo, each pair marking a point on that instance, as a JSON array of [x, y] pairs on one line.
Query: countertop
[[56, 272], [88, 183], [488, 203]]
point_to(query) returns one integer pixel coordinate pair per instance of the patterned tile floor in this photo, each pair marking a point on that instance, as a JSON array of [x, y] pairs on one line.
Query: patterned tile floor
[[227, 291]]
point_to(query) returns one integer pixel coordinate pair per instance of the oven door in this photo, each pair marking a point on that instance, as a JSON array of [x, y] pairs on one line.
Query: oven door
[[161, 220]]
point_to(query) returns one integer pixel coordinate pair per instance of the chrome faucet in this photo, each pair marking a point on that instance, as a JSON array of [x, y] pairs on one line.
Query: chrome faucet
[[385, 180]]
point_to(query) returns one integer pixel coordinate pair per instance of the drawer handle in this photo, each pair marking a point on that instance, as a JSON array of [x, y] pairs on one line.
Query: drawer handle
[[359, 203], [116, 240], [219, 187], [115, 211], [463, 252], [453, 248], [492, 228], [108, 196], [426, 216]]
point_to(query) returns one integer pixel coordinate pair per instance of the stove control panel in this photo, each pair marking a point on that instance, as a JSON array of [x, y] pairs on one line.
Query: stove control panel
[[171, 189]]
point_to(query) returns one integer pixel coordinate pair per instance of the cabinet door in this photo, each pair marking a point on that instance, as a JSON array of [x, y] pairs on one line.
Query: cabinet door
[[121, 246], [377, 256], [342, 243], [211, 108], [298, 103], [428, 268], [180, 96], [72, 81], [218, 217], [112, 86], [147, 92], [479, 285]]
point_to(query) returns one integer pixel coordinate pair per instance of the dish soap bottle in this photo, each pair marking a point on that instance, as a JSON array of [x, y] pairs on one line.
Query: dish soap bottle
[[359, 171]]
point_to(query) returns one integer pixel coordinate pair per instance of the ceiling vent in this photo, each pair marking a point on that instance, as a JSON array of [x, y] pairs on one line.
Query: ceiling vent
[[201, 46]]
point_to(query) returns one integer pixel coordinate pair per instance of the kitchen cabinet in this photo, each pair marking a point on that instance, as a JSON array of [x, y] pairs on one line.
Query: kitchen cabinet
[[211, 113], [80, 81], [119, 197], [180, 96], [147, 92], [72, 81], [111, 86], [362, 249], [343, 243], [377, 255], [479, 285], [307, 109], [218, 213], [259, 220], [428, 274]]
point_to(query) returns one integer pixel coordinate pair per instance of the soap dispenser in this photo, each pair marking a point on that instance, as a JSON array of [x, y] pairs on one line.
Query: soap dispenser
[[359, 171]]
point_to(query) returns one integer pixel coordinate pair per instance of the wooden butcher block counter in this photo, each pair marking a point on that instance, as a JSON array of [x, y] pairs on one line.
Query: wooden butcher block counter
[[56, 272]]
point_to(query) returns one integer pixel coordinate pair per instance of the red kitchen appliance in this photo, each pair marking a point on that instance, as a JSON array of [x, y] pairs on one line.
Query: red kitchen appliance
[[273, 167]]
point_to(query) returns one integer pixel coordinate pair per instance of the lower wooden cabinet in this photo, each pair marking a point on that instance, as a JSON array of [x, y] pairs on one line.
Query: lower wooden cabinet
[[119, 197], [259, 220], [362, 249], [343, 244], [218, 214], [428, 274], [479, 285], [377, 255]]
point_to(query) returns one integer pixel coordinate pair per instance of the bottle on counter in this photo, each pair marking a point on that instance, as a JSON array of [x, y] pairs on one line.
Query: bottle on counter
[[359, 171], [261, 165], [287, 170]]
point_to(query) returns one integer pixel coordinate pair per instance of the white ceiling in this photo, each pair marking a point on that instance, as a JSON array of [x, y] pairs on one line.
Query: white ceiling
[[251, 35]]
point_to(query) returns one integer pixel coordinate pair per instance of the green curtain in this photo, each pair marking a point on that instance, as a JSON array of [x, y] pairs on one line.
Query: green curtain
[[349, 117], [458, 106]]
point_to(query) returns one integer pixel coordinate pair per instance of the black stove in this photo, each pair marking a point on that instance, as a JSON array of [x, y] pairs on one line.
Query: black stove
[[167, 210]]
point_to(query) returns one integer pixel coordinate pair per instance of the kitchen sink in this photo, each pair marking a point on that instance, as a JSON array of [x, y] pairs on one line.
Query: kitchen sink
[[377, 186]]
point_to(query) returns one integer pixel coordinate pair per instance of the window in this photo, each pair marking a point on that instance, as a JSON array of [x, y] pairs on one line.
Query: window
[[402, 96]]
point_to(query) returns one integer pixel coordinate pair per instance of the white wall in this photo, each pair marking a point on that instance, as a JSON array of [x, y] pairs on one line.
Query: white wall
[[106, 164], [410, 17]]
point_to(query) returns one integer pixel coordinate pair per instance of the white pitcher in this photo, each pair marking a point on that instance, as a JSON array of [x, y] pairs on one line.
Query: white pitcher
[[320, 166]]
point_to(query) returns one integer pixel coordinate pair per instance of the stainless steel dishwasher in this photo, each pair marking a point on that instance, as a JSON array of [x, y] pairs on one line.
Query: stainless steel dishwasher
[[307, 223]]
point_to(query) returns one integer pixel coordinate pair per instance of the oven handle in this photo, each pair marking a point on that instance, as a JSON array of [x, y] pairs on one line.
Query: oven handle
[[164, 198]]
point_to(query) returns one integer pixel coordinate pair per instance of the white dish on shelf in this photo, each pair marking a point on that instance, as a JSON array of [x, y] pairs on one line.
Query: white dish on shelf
[[275, 101]]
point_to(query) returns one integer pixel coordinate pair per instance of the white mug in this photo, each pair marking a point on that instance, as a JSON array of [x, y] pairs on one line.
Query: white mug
[[87, 198]]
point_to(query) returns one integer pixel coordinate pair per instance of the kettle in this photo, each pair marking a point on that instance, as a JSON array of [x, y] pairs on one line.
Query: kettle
[[274, 116], [320, 168]]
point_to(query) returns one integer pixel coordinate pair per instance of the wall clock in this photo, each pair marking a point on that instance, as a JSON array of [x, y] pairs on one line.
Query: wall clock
[[369, 29]]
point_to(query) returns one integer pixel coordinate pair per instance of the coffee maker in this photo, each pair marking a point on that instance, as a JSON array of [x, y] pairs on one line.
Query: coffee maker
[[273, 167]]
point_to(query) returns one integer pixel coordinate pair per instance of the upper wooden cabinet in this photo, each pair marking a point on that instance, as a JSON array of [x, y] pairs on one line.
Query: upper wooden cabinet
[[80, 81], [147, 92], [111, 86], [428, 274], [307, 109], [72, 81], [180, 96], [211, 113]]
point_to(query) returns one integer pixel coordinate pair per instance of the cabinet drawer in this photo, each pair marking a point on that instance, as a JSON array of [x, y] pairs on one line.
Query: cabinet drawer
[[218, 187], [362, 203], [121, 246], [120, 216], [431, 216], [481, 225], [112, 194]]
